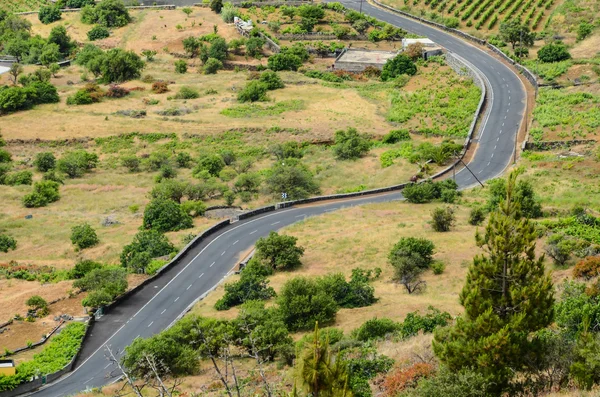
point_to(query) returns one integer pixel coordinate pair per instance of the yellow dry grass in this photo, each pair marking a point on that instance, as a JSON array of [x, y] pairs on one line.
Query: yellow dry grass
[[362, 237]]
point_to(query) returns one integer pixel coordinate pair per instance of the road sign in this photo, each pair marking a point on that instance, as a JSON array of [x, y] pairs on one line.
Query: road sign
[[284, 196]]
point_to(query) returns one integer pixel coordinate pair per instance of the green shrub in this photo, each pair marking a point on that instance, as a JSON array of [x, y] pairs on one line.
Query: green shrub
[[212, 65], [355, 293], [84, 236], [476, 216], [193, 208], [165, 216], [84, 267], [281, 61], [254, 47], [44, 192], [154, 266], [254, 91], [293, 179], [213, 164], [229, 12], [149, 242], [271, 79], [37, 304], [24, 177], [5, 156], [252, 285], [181, 66], [79, 3], [44, 161], [186, 92], [131, 162], [554, 52], [7, 243], [415, 323], [279, 252], [438, 267], [396, 136], [375, 328], [98, 33], [584, 30], [350, 145], [76, 163], [49, 14], [303, 302], [399, 65], [427, 191], [442, 219], [109, 13], [104, 285]]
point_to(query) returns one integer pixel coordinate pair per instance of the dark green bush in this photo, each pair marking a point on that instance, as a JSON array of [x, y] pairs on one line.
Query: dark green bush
[[181, 66], [396, 136], [281, 61], [109, 13], [44, 161], [442, 219], [252, 285], [399, 65], [84, 236], [186, 92], [254, 46], [49, 14], [79, 3], [98, 33], [149, 242], [271, 79], [5, 156], [44, 192], [17, 178], [165, 216], [212, 164], [554, 52], [293, 179], [476, 216], [7, 243], [84, 267], [212, 65], [279, 252], [303, 302], [253, 92], [375, 328], [76, 163], [414, 322], [427, 191], [355, 293], [350, 145]]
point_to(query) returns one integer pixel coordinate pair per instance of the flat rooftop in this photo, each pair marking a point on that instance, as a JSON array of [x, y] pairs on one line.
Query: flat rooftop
[[365, 56]]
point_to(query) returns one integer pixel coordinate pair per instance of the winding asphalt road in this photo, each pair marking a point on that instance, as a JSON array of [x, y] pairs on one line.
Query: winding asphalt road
[[159, 304]]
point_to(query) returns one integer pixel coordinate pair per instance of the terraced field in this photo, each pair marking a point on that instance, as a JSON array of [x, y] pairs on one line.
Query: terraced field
[[21, 5], [479, 14]]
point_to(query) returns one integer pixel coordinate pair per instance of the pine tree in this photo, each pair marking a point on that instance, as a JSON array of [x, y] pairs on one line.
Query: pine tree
[[322, 374], [506, 297]]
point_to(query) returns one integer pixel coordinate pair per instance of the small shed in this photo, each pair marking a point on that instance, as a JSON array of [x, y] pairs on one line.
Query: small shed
[[7, 367], [424, 42], [356, 60]]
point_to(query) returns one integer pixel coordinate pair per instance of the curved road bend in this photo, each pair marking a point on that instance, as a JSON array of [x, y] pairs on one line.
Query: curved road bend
[[159, 304]]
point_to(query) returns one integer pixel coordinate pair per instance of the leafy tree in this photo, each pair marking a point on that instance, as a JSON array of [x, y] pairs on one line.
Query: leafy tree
[[17, 47], [180, 66], [293, 178], [303, 302], [213, 164], [280, 252], [289, 12], [218, 49], [248, 183], [84, 267], [212, 65], [98, 33], [507, 296], [44, 192], [355, 293], [76, 163], [311, 11], [169, 189], [584, 30], [350, 145], [84, 236], [187, 11], [149, 54], [58, 35], [108, 13], [118, 65], [165, 216], [50, 54], [253, 91], [319, 373], [54, 68], [252, 285], [15, 70], [554, 52], [410, 257], [44, 161], [216, 5], [7, 243], [308, 24], [49, 14], [191, 45], [399, 65], [282, 61], [106, 282], [442, 219], [513, 31], [261, 332], [254, 46], [149, 242], [37, 304]]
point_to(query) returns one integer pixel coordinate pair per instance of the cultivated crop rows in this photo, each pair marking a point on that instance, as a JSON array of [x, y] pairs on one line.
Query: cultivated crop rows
[[21, 5], [487, 13]]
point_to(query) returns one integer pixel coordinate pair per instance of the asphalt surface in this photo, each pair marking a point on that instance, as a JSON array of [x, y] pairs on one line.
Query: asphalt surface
[[159, 304]]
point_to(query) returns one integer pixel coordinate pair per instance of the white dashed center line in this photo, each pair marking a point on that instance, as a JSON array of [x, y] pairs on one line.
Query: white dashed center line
[[151, 322], [176, 299], [163, 312], [236, 241], [223, 253], [211, 265], [189, 286], [273, 224], [253, 232]]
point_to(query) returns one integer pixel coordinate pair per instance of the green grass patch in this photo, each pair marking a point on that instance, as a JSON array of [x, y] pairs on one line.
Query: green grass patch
[[254, 110]]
